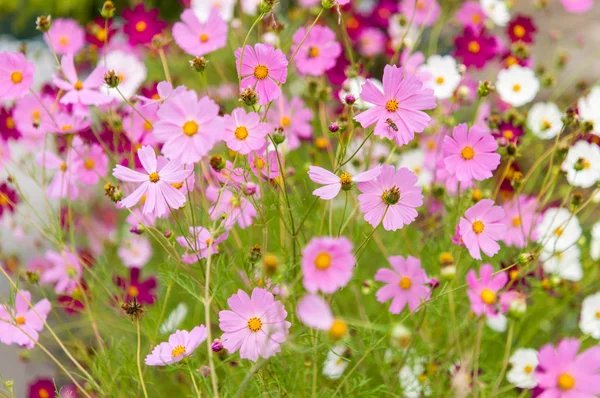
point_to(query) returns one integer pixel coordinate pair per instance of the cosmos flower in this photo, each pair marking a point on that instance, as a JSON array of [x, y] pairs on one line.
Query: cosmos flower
[[391, 198], [164, 91], [66, 36], [333, 183], [405, 284], [294, 117], [508, 132], [43, 388], [327, 264], [565, 264], [471, 14], [588, 108], [64, 183], [335, 363], [558, 230], [517, 85], [544, 119], [589, 321], [371, 42], [141, 290], [198, 242], [264, 164], [577, 6], [443, 75], [90, 161], [234, 208], [21, 325], [200, 38], [135, 251], [84, 92], [8, 199], [130, 70], [475, 48], [68, 123], [30, 117], [64, 271], [16, 75], [203, 8], [140, 131], [481, 227], [314, 312], [582, 164], [244, 132], [496, 11], [521, 28], [422, 12], [181, 344], [524, 362], [255, 326], [520, 214], [141, 25], [99, 32], [398, 111], [264, 69], [484, 292], [319, 50]]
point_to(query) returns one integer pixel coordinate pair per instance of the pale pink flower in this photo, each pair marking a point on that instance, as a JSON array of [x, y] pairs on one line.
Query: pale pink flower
[[333, 183], [318, 52], [244, 132], [577, 6], [16, 75], [294, 118], [164, 91], [200, 38], [21, 325], [327, 264], [471, 14], [519, 219], [371, 42], [31, 119], [135, 251], [264, 164], [264, 69], [138, 130], [64, 183], [84, 92], [197, 244], [255, 326], [155, 185], [314, 312], [181, 344], [66, 35], [68, 123], [64, 271], [484, 292], [406, 283], [481, 227], [235, 208], [425, 12], [90, 162]]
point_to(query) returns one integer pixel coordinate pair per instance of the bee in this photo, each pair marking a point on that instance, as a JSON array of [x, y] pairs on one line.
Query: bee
[[390, 123]]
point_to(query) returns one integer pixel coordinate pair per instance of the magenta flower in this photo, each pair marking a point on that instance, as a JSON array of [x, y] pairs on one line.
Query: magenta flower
[[8, 199], [197, 38], [294, 118], [66, 36], [189, 127], [263, 69], [577, 6], [44, 388], [244, 132], [391, 198], [471, 14], [264, 164], [8, 127], [481, 227], [21, 325], [426, 12], [398, 110], [141, 25], [484, 292], [197, 244], [64, 183], [16, 75], [84, 92], [371, 42], [521, 28], [327, 264], [470, 154], [255, 326], [64, 271], [564, 374], [319, 51], [475, 47], [333, 183], [520, 215], [236, 209], [90, 161], [181, 344], [141, 290], [406, 283], [155, 185]]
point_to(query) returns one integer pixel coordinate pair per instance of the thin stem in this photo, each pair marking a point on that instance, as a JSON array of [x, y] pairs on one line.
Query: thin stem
[[306, 35], [259, 18], [133, 107], [508, 347], [343, 215], [476, 356], [213, 373], [193, 378], [355, 152], [139, 364], [165, 65]]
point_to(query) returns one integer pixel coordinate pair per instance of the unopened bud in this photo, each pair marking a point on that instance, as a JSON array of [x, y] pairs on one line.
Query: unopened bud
[[587, 126], [168, 233], [334, 127], [43, 23], [248, 96], [476, 195], [217, 345], [278, 136], [485, 88], [108, 10], [250, 188], [511, 149], [433, 283], [349, 99], [576, 200], [137, 229], [217, 162], [526, 258], [446, 259], [111, 79], [367, 286], [33, 277], [327, 4], [113, 192], [516, 179], [255, 253], [570, 117], [266, 6], [198, 63], [448, 273]]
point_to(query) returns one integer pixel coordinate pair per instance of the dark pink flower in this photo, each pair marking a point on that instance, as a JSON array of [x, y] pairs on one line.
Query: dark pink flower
[[42, 388], [142, 290], [475, 48], [141, 25], [8, 127], [8, 199], [522, 29]]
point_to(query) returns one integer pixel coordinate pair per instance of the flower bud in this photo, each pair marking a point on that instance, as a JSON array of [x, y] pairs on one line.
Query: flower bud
[[204, 370], [278, 136], [248, 96], [446, 259], [111, 79], [33, 277], [526, 258], [517, 307], [255, 253], [349, 99], [250, 188], [485, 88], [334, 127], [266, 6], [367, 286], [448, 273], [576, 200], [570, 117], [587, 126], [168, 233], [217, 162], [327, 4], [108, 10], [433, 283], [217, 345], [199, 64], [476, 195], [511, 149], [43, 23], [113, 192], [137, 229], [516, 179]]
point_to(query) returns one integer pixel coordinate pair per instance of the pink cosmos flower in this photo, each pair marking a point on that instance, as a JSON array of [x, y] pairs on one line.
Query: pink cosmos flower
[[8, 199], [42, 388], [520, 216], [135, 251], [294, 118], [21, 325], [263, 69], [481, 227], [411, 60], [244, 132], [397, 113], [135, 287], [197, 38], [484, 292], [470, 154], [564, 374], [471, 14], [391, 198], [327, 264], [426, 12], [155, 185], [66, 36], [189, 127], [164, 91], [84, 92], [64, 271], [30, 117], [475, 47], [405, 284], [181, 344], [140, 130], [141, 25], [197, 244], [521, 28], [16, 75], [264, 164], [67, 123], [235, 208], [255, 326], [333, 183], [64, 183], [318, 52], [371, 42], [90, 161], [4, 152], [577, 6], [314, 312]]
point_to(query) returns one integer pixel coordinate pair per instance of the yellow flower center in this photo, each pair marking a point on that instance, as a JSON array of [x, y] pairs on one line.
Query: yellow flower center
[[478, 227], [286, 121], [338, 330], [476, 18], [516, 221], [488, 297], [321, 143], [476, 195], [405, 283], [141, 26], [67, 127], [566, 382], [241, 133], [63, 167], [190, 128], [546, 125], [203, 37], [261, 72], [177, 185], [323, 261], [177, 351], [148, 126], [154, 177], [63, 41], [43, 393], [20, 320], [89, 164], [345, 179], [421, 5], [513, 274], [133, 291], [101, 34], [313, 52], [78, 85], [440, 80], [16, 77], [392, 105], [259, 163], [558, 231], [3, 199], [516, 88], [10, 123], [446, 258], [528, 369], [510, 61], [508, 134], [254, 324], [598, 314], [519, 31], [36, 115], [467, 153], [474, 47]]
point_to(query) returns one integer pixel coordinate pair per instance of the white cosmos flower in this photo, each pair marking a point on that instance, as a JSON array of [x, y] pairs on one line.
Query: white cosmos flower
[[564, 264], [582, 164], [414, 160], [523, 363], [558, 230], [409, 32], [590, 316], [354, 86], [497, 322], [595, 242], [130, 70], [444, 76], [496, 10], [202, 8], [413, 379], [545, 120], [250, 7], [517, 85], [335, 364], [589, 108], [174, 319]]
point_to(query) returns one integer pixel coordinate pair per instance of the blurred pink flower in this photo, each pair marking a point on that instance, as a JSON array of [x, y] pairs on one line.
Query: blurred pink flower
[[244, 132], [263, 69], [294, 118], [405, 283], [471, 14], [264, 164], [135, 251], [371, 42], [481, 227], [89, 161], [484, 293], [16, 75], [426, 12], [577, 6], [64, 183], [141, 25], [66, 36], [64, 271], [333, 183], [327, 264], [318, 52], [235, 208], [519, 219], [21, 325], [164, 91], [197, 38], [181, 344], [84, 92], [197, 244]]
